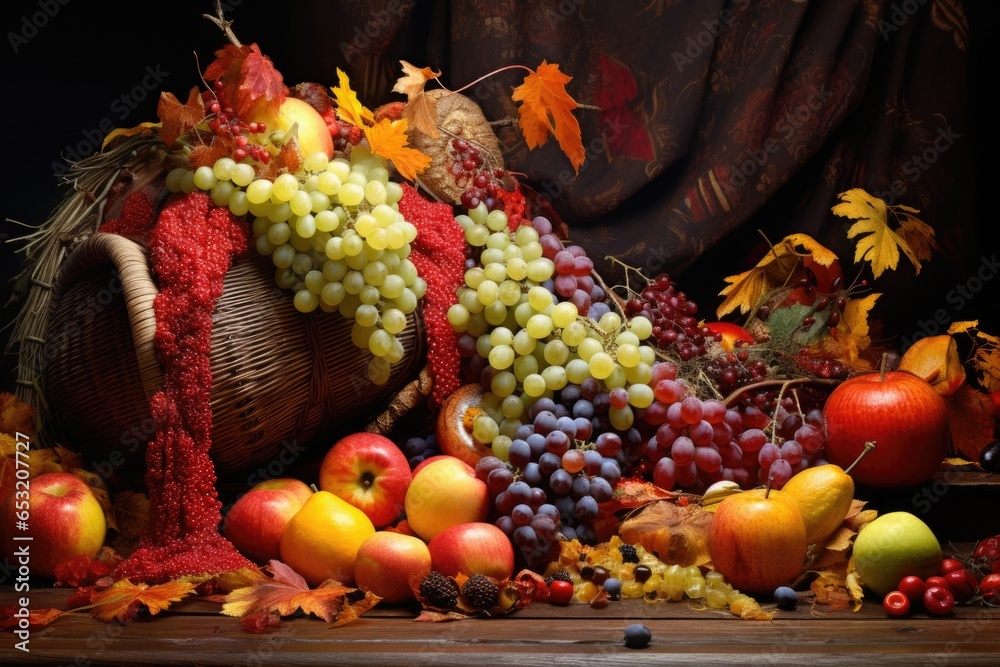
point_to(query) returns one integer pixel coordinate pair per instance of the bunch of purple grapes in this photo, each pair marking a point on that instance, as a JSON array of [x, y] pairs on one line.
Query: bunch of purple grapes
[[573, 281], [554, 481], [419, 449], [674, 317]]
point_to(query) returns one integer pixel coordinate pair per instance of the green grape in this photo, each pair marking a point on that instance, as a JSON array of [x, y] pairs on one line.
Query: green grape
[[310, 185], [365, 224], [372, 253], [490, 403], [517, 269], [501, 447], [555, 377], [243, 175], [476, 235], [512, 407], [393, 320], [378, 173], [349, 306], [525, 366], [285, 186], [470, 299], [522, 313], [358, 176], [479, 214], [264, 247], [577, 370], [305, 226], [406, 301], [393, 192], [618, 378], [531, 251], [458, 316], [283, 256], [315, 282], [315, 161], [601, 365], [522, 342], [627, 338], [621, 418], [556, 352], [574, 333], [380, 342], [375, 273], [392, 287], [501, 357], [285, 278], [488, 292], [511, 252], [366, 315], [474, 277], [498, 240], [641, 373], [353, 244], [357, 262], [333, 293], [305, 301], [463, 220], [395, 237], [484, 428], [534, 385], [369, 294], [610, 321], [302, 263], [641, 327], [174, 178], [328, 183], [539, 326], [640, 395], [540, 269], [353, 282], [563, 314], [539, 298], [334, 249], [375, 192], [204, 178], [301, 203], [396, 352], [339, 167], [260, 226], [279, 213], [495, 270], [379, 370], [503, 384], [501, 336], [525, 234], [351, 194], [238, 203], [187, 183], [588, 347], [360, 335], [509, 293], [407, 271], [496, 220], [628, 355], [222, 191]]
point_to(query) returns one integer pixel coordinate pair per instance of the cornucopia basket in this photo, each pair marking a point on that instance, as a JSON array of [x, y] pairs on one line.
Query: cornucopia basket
[[279, 377]]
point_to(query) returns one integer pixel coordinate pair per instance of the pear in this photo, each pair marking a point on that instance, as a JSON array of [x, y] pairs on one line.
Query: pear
[[894, 546], [824, 496]]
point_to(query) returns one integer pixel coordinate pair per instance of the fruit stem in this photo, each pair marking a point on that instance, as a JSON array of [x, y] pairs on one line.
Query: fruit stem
[[224, 24], [731, 399], [870, 445], [770, 481], [882, 365]]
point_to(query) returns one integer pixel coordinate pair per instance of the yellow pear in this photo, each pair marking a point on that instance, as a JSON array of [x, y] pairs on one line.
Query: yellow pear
[[321, 541], [824, 496]]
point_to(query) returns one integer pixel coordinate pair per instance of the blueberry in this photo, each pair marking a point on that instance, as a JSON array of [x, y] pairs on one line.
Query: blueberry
[[786, 598], [613, 587], [637, 635]]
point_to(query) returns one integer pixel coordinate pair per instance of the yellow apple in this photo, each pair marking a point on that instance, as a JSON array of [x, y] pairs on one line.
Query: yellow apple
[[445, 494], [311, 130], [322, 540]]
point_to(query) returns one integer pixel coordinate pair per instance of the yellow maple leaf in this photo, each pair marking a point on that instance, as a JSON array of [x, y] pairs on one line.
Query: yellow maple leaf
[[851, 335], [547, 107], [420, 110], [349, 108], [987, 365], [879, 244], [773, 270], [963, 326], [139, 130], [387, 138]]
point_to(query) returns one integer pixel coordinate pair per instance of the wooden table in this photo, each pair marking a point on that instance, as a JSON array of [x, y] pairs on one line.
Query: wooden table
[[542, 634]]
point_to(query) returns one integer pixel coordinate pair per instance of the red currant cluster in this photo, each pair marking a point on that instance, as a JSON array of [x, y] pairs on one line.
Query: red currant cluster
[[736, 369], [673, 316], [481, 185], [227, 124], [821, 366]]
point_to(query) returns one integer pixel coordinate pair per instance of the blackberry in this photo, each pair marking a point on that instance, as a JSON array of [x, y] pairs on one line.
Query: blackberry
[[628, 553], [439, 590], [481, 592]]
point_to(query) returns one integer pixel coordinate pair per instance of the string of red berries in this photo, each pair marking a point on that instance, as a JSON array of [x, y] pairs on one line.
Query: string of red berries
[[137, 217], [438, 252], [190, 250], [227, 124], [513, 205]]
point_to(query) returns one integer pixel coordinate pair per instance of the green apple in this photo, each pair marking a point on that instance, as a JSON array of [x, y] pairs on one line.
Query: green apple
[[894, 546]]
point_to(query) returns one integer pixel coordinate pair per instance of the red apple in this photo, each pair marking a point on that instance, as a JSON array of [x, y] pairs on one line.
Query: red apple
[[255, 522], [311, 130], [758, 540], [63, 519], [473, 548], [445, 494], [453, 428], [387, 561], [731, 334], [902, 414], [370, 472]]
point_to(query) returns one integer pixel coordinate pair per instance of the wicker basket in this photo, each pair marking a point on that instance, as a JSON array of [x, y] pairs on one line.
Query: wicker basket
[[278, 377]]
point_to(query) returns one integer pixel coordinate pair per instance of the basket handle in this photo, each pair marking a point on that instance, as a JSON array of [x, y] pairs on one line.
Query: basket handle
[[138, 291]]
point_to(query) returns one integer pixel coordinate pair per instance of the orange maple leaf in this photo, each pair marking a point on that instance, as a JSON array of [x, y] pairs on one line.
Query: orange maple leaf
[[178, 118], [547, 107], [420, 110], [970, 418], [205, 155], [851, 336], [37, 618], [388, 139], [122, 600], [288, 592]]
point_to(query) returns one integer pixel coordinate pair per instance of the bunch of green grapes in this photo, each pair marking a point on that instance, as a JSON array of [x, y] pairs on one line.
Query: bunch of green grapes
[[336, 237]]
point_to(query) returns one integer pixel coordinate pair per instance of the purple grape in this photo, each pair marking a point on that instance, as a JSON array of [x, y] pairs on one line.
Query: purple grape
[[581, 487], [545, 422], [768, 454], [601, 489], [522, 515], [561, 482], [549, 463], [520, 492], [499, 480], [536, 442], [532, 474], [608, 444], [586, 508], [557, 442], [506, 524], [486, 464], [682, 451], [519, 453], [611, 471], [524, 537]]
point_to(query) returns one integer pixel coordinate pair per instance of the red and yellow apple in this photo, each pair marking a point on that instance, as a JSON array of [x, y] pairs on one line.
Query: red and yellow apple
[[758, 540], [311, 130], [322, 540], [370, 472], [444, 494], [901, 413], [730, 334], [426, 462], [473, 548], [254, 523], [63, 519], [387, 561]]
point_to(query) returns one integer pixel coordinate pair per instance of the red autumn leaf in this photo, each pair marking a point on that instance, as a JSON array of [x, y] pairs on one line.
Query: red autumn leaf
[[287, 160], [288, 592], [228, 62], [631, 493], [178, 118], [260, 621], [260, 81], [970, 417], [123, 599], [37, 618], [205, 155], [547, 107]]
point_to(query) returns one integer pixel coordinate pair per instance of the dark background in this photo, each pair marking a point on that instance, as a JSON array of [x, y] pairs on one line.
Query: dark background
[[65, 81]]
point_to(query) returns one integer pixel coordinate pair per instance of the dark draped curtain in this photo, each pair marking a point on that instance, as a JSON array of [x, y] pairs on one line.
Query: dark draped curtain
[[719, 123]]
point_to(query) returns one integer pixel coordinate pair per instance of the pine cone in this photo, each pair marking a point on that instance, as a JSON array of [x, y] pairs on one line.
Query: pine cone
[[439, 590], [481, 592]]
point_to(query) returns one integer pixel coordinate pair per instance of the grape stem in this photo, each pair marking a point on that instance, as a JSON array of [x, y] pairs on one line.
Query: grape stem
[[729, 400], [224, 24]]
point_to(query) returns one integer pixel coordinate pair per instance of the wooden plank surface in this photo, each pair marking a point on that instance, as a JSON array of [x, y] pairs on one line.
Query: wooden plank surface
[[542, 634]]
